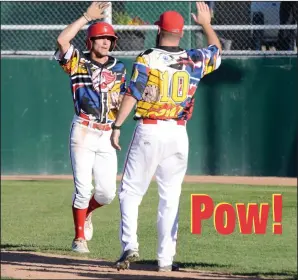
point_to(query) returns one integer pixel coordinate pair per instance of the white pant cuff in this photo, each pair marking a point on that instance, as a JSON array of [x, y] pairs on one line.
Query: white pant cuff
[[163, 263]]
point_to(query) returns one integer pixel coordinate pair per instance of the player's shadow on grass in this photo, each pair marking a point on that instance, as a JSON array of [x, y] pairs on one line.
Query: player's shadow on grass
[[29, 247], [204, 266], [185, 264], [18, 257], [85, 268], [274, 275], [97, 269], [101, 269]]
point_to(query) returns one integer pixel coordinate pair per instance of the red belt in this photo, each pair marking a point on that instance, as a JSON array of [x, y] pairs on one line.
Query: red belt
[[151, 121], [84, 116], [99, 126]]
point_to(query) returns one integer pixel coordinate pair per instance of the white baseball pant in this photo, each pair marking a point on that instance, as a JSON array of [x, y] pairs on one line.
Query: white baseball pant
[[160, 149], [91, 152]]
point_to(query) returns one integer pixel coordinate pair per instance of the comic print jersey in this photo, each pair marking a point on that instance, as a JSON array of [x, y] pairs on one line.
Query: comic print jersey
[[164, 81], [95, 87]]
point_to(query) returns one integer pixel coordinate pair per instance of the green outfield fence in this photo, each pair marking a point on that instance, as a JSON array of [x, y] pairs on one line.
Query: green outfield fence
[[244, 121]]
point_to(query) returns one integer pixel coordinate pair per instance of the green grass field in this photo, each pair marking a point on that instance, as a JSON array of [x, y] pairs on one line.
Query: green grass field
[[37, 216]]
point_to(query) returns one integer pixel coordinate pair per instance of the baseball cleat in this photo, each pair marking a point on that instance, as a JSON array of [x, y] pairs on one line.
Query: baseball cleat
[[88, 228], [173, 267], [80, 246], [125, 260]]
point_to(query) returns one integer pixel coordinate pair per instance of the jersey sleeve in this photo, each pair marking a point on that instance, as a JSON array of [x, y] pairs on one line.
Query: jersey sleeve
[[211, 59], [123, 82], [68, 61], [139, 78]]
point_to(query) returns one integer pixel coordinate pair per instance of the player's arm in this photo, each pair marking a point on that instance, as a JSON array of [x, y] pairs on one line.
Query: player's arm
[[203, 18], [127, 104], [135, 90], [94, 11], [134, 93], [122, 85]]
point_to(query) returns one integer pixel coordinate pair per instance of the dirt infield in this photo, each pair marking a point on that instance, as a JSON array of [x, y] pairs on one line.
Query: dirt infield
[[31, 265], [235, 180]]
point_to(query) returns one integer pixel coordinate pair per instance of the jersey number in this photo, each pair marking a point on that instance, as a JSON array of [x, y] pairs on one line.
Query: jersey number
[[180, 86]]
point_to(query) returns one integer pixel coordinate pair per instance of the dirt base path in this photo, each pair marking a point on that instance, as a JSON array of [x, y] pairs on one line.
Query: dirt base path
[[236, 180], [32, 265]]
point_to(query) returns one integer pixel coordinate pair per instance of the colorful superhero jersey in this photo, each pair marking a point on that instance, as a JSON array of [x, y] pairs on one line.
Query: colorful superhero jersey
[[165, 79], [96, 88]]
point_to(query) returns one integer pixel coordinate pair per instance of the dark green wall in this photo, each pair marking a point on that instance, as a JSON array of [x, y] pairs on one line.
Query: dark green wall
[[244, 122]]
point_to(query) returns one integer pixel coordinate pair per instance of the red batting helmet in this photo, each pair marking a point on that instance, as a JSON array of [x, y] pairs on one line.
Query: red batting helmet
[[99, 29]]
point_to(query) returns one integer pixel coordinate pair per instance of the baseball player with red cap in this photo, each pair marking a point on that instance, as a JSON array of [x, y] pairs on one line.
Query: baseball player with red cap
[[97, 86], [162, 89]]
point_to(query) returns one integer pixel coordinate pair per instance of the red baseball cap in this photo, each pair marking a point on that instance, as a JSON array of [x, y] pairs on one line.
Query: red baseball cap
[[171, 21]]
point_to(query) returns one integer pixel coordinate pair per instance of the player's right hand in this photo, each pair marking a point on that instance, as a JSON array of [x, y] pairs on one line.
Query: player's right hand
[[115, 139], [203, 16], [96, 10]]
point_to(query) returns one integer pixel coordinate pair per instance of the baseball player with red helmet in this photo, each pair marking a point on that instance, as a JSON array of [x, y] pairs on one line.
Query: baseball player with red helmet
[[162, 87], [97, 85]]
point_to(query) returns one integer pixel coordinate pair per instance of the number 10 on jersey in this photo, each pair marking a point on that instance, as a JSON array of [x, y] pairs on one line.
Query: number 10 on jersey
[[179, 86]]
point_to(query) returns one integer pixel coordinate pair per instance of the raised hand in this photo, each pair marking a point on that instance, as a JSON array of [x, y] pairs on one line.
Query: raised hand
[[203, 16], [96, 10]]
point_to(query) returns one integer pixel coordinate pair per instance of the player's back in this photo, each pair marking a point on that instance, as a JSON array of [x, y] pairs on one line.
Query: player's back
[[165, 79]]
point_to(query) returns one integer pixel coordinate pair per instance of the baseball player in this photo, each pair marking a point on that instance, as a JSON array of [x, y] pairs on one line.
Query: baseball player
[[162, 86], [97, 84]]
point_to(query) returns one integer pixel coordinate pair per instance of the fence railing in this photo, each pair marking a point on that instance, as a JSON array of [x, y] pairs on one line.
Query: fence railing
[[244, 28]]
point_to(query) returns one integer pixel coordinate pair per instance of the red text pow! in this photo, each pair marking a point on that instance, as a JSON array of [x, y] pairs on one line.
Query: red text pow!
[[251, 218]]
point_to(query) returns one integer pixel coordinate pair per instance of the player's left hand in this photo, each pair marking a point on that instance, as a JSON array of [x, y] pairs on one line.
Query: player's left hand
[[203, 16], [115, 139]]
